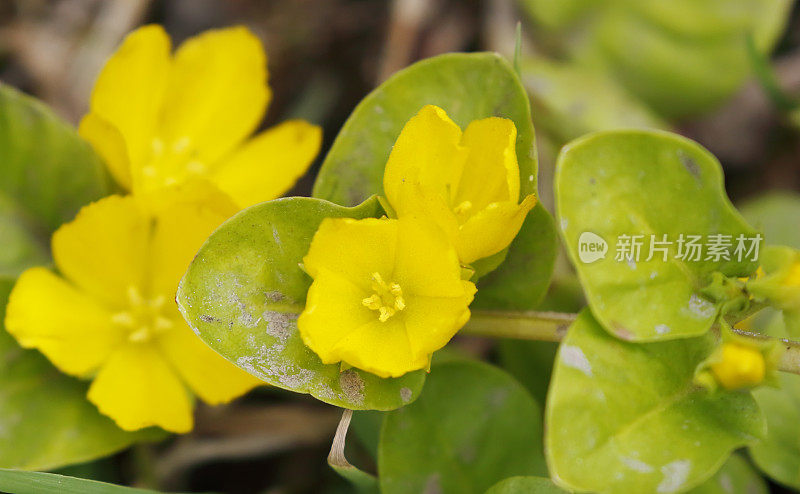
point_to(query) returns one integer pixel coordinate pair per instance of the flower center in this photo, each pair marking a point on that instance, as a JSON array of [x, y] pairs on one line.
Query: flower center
[[170, 163], [143, 319], [387, 298]]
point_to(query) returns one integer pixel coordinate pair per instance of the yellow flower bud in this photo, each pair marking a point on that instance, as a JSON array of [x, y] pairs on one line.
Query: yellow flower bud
[[740, 366], [793, 276]]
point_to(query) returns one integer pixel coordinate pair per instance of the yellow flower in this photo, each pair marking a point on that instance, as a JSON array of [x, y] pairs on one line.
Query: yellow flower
[[739, 366], [110, 314], [386, 294], [159, 119], [467, 183]]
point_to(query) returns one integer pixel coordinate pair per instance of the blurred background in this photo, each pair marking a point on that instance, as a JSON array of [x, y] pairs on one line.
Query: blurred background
[[723, 72]]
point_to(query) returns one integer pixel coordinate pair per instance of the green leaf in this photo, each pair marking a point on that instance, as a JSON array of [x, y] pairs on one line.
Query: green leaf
[[17, 482], [627, 417], [736, 476], [777, 214], [646, 183], [522, 280], [245, 288], [526, 485], [473, 426], [682, 57], [570, 100], [468, 86], [48, 172], [778, 455]]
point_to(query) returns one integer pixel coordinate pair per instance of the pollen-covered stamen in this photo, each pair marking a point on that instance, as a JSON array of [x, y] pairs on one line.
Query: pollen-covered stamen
[[463, 208], [387, 298], [142, 319]]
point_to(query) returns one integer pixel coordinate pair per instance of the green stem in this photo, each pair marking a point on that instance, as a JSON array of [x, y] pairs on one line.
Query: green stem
[[552, 326]]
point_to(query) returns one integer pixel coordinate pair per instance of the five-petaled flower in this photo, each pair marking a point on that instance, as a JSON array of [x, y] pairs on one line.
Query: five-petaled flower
[[467, 183], [386, 294], [160, 120], [110, 313]]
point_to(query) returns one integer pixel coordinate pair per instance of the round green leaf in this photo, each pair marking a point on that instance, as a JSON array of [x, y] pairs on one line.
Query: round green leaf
[[627, 417], [47, 171], [244, 290], [473, 426], [570, 100], [777, 214], [525, 485], [736, 476], [646, 183], [468, 86]]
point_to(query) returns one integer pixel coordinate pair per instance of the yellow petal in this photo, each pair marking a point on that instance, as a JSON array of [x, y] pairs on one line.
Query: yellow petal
[[353, 249], [426, 263], [138, 389], [103, 251], [182, 219], [381, 348], [109, 143], [492, 229], [129, 92], [208, 374], [333, 310], [491, 171], [71, 329], [431, 322], [269, 164], [217, 93], [429, 151]]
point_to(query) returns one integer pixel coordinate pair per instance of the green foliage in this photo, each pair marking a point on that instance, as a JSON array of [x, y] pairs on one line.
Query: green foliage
[[777, 215], [778, 455], [682, 58], [522, 280], [472, 426], [643, 183], [570, 100], [735, 477], [18, 482], [244, 290], [47, 174], [526, 485], [627, 417]]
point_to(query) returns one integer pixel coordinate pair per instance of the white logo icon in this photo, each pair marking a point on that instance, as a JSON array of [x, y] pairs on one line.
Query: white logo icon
[[591, 247]]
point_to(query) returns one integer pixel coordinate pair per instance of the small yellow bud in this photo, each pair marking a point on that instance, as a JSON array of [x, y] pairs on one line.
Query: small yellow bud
[[741, 366]]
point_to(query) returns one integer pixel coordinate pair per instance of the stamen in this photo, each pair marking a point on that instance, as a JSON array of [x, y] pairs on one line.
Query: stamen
[[387, 299], [463, 208]]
